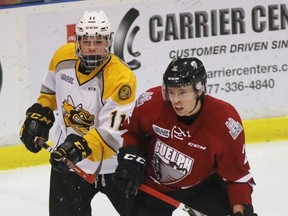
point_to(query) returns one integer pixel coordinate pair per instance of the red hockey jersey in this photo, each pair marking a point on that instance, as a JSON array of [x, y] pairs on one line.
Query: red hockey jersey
[[181, 155]]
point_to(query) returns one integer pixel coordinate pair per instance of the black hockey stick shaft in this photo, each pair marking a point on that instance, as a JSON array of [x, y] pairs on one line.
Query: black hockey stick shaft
[[170, 200], [91, 178]]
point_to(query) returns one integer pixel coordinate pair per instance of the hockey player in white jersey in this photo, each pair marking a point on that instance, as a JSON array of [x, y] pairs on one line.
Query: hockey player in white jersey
[[93, 91]]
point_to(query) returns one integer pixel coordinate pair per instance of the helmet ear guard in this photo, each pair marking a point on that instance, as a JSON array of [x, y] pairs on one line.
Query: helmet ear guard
[[200, 88]]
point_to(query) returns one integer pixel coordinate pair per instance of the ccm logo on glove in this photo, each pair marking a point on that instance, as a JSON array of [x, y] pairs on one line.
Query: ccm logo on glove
[[135, 157], [82, 149], [40, 117]]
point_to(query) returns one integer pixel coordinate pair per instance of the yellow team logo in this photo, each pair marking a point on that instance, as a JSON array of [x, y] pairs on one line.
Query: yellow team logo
[[76, 116], [124, 92]]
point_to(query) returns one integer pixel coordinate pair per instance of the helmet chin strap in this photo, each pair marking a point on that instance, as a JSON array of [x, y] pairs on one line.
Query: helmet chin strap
[[197, 100], [199, 96]]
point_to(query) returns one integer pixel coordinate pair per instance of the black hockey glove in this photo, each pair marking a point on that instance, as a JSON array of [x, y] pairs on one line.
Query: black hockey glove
[[74, 148], [130, 170], [248, 211], [38, 122]]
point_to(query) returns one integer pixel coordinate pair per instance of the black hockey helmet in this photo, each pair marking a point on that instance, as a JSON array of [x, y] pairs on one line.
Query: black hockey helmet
[[184, 72]]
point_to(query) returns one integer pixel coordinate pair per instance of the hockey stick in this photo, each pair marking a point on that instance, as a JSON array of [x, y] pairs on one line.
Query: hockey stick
[[88, 177], [170, 200]]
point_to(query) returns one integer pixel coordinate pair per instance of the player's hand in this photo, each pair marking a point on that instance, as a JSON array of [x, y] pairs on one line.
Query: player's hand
[[130, 170], [39, 121], [74, 148], [248, 211]]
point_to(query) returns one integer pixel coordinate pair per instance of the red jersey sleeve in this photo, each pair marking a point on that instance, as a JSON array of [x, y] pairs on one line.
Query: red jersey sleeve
[[231, 161]]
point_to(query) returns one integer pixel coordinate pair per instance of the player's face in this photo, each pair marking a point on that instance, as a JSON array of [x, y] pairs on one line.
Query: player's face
[[183, 100], [94, 45]]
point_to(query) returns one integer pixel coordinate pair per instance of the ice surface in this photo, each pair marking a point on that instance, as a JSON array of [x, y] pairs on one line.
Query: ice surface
[[24, 192]]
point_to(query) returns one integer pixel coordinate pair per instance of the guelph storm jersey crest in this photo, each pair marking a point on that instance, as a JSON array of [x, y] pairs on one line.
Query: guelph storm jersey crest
[[169, 164]]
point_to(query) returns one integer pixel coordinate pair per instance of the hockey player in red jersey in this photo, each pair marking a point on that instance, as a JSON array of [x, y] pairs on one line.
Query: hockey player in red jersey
[[92, 91], [191, 146]]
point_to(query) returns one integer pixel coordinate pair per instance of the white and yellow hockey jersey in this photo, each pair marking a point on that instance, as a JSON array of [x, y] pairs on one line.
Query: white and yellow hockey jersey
[[91, 105]]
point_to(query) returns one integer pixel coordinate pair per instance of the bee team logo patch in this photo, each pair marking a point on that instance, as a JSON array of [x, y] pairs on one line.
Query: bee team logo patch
[[124, 92]]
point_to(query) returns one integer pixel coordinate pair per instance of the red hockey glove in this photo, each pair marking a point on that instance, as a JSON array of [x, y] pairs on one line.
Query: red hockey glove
[[248, 211], [74, 148], [38, 122], [130, 170]]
